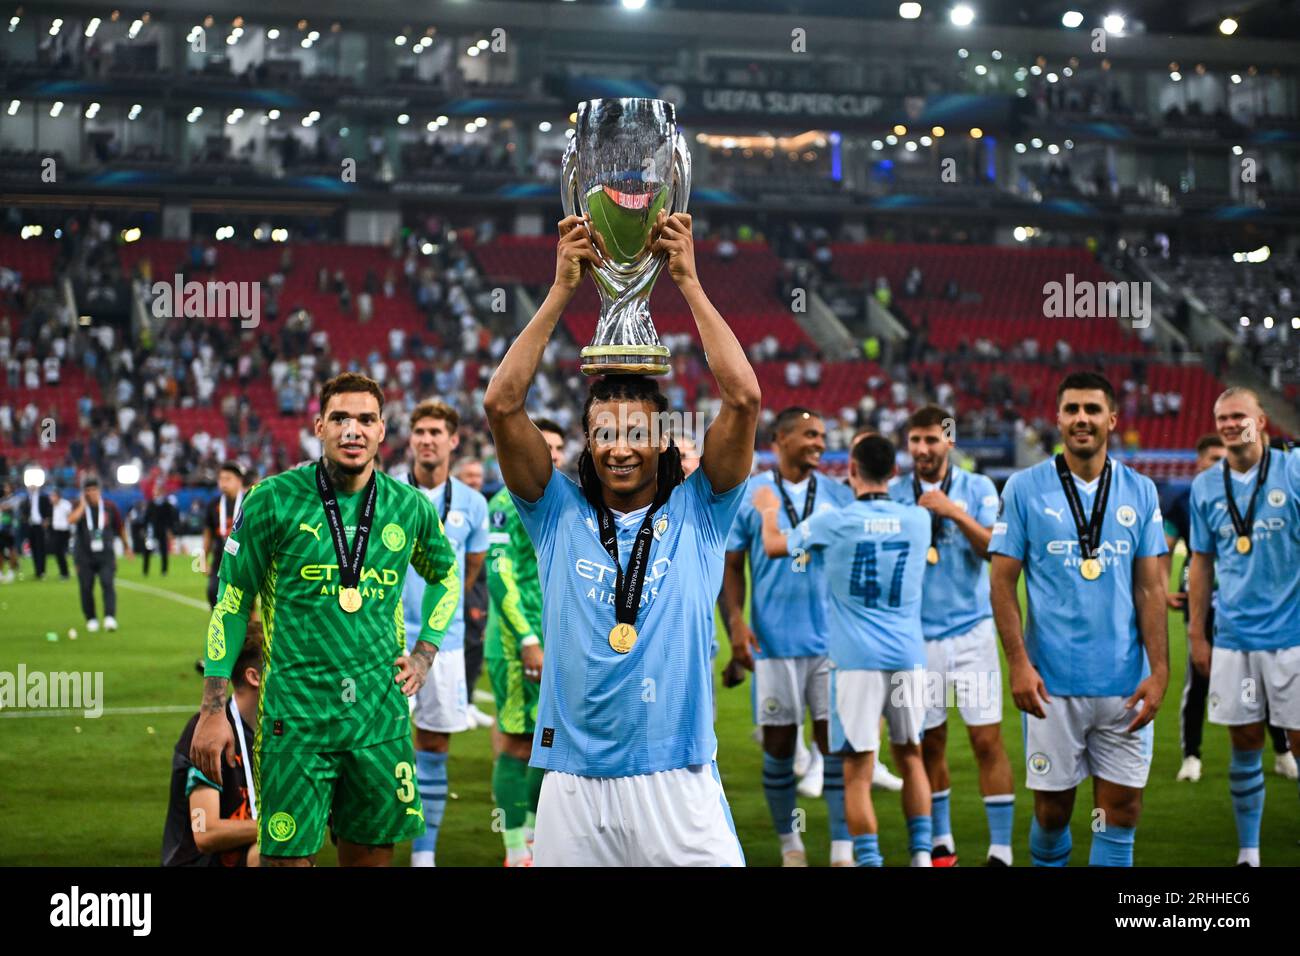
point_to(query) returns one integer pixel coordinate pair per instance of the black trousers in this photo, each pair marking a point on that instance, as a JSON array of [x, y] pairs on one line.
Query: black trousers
[[104, 567], [36, 535], [59, 548], [160, 541], [1191, 714]]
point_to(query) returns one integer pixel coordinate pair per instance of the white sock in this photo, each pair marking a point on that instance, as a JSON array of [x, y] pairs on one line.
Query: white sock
[[921, 859], [516, 854], [422, 858], [946, 841], [790, 841], [1000, 851], [841, 851], [1248, 855]]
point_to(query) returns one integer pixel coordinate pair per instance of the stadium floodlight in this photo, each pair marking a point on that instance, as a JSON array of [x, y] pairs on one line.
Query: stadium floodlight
[[56, 109], [1114, 24], [442, 120], [1036, 70], [472, 51], [1295, 321], [1227, 26], [909, 11], [131, 235], [900, 130], [996, 54], [273, 114], [926, 141], [544, 126], [1052, 77], [400, 39], [273, 34], [1236, 78], [963, 53], [93, 25], [56, 26], [136, 109], [313, 36], [403, 119], [482, 44], [480, 121], [1071, 19], [1053, 149], [431, 126], [13, 22], [910, 146], [314, 115], [1237, 151], [1175, 76], [936, 131], [92, 111], [471, 128], [877, 144], [128, 474], [1245, 319], [1020, 233], [633, 4], [976, 132], [34, 477], [981, 69], [1021, 148], [962, 15], [1069, 144], [427, 248], [1268, 321], [891, 139], [1036, 143]]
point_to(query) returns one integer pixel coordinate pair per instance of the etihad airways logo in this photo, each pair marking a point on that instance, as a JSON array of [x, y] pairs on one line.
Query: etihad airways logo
[[1108, 549], [604, 578], [329, 572]]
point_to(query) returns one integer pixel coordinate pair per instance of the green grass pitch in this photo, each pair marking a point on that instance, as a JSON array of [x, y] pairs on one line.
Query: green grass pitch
[[81, 792]]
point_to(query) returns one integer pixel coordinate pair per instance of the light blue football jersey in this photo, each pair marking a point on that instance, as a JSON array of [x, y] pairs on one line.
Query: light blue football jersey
[[602, 713], [956, 595], [1258, 605], [466, 526], [787, 603], [872, 554], [1081, 635]]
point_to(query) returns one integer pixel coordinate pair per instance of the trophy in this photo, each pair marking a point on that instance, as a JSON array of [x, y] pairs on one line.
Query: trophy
[[625, 162]]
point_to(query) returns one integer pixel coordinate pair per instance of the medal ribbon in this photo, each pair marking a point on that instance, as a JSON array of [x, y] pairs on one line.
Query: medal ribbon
[[789, 505], [627, 591], [935, 521], [1245, 525], [446, 495], [1089, 530], [349, 561], [223, 528]]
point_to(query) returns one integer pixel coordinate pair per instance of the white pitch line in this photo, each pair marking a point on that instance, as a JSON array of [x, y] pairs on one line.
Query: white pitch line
[[159, 592], [106, 712]]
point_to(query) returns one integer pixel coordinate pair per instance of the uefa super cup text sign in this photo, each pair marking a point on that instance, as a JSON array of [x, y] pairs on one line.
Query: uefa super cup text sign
[[625, 163]]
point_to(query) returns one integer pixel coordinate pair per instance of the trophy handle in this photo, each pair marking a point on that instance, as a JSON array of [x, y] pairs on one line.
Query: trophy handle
[[681, 174], [569, 178]]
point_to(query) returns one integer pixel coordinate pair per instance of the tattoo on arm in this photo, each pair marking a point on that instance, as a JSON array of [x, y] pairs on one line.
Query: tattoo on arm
[[214, 695], [424, 651]]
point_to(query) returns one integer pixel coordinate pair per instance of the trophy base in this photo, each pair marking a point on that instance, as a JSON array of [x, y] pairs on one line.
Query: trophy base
[[625, 360]]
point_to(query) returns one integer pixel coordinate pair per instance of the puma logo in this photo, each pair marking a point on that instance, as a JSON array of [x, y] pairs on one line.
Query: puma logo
[[414, 812], [1057, 514], [315, 532]]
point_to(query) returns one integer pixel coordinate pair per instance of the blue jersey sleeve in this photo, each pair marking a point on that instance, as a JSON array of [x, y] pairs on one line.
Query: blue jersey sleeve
[[542, 517], [742, 529], [1293, 472], [717, 511], [477, 541], [1151, 540], [1010, 528], [814, 532], [1202, 533]]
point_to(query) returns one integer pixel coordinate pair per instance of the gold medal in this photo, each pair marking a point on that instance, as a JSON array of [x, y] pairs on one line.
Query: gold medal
[[1243, 544], [1090, 569], [932, 556], [622, 637], [350, 599]]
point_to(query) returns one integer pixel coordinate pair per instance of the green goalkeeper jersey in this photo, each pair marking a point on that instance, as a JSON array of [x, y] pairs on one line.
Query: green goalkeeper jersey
[[328, 675], [514, 591]]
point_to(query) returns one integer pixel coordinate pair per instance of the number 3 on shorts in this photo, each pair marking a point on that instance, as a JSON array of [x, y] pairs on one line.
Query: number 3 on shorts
[[405, 775]]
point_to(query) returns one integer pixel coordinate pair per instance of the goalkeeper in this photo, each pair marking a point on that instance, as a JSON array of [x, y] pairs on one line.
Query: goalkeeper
[[334, 734], [513, 650]]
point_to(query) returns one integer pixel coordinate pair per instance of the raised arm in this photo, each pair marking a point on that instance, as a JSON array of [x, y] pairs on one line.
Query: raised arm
[[522, 453], [729, 443]]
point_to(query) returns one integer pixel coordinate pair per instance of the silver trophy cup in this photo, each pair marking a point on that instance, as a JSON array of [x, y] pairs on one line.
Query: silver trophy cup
[[625, 162]]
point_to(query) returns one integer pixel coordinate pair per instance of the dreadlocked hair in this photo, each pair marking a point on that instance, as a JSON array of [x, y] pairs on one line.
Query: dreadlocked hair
[[632, 388]]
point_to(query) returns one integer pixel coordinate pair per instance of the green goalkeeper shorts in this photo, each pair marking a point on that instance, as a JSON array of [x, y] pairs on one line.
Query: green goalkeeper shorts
[[515, 696], [368, 795]]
